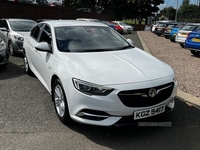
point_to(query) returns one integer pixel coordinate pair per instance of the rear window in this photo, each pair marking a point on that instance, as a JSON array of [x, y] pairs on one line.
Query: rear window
[[171, 25], [162, 25], [190, 27]]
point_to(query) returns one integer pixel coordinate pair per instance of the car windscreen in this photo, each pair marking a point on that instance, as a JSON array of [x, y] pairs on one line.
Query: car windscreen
[[89, 39], [190, 27], [23, 26], [180, 25], [162, 25]]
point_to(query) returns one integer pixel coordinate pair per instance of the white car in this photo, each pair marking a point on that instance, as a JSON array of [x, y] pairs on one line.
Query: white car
[[156, 23], [95, 75], [183, 33], [126, 28]]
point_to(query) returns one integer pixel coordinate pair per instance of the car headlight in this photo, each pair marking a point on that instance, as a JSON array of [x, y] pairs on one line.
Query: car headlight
[[19, 38], [90, 88]]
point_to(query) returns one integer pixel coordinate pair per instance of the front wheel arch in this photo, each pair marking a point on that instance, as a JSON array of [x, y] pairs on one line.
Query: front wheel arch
[[60, 102]]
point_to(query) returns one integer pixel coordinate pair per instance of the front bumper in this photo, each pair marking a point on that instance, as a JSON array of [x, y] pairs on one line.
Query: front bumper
[[110, 110]]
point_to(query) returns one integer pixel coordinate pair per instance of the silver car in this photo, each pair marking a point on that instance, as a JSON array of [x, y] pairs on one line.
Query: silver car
[[12, 32], [183, 33]]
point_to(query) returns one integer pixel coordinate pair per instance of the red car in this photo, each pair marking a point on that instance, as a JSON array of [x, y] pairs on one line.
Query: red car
[[118, 28]]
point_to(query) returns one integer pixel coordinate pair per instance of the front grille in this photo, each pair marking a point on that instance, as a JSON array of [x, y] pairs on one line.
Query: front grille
[[141, 98]]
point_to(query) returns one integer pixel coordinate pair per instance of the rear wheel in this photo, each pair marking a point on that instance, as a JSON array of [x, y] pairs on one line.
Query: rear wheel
[[172, 40], [196, 53], [60, 102], [182, 45]]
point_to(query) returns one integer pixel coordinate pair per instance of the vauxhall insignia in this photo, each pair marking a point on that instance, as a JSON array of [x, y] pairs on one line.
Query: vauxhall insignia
[[152, 92]]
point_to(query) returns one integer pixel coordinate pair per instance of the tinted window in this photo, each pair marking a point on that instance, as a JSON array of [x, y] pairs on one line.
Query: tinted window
[[22, 25], [36, 30], [88, 38], [162, 25], [46, 35], [190, 27], [3, 24]]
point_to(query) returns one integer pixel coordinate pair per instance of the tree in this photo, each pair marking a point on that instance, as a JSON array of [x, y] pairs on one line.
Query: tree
[[121, 9], [168, 12]]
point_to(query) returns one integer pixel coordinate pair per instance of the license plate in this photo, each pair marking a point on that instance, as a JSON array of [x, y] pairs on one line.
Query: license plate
[[184, 34], [169, 30], [195, 40], [149, 112], [159, 29]]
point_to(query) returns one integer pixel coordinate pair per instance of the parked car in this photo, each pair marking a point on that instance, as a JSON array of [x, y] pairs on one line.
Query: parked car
[[21, 1], [174, 31], [192, 42], [156, 23], [170, 27], [41, 2], [88, 19], [96, 76], [126, 28], [84, 10], [4, 55], [183, 32], [162, 28], [12, 32], [55, 4], [108, 23]]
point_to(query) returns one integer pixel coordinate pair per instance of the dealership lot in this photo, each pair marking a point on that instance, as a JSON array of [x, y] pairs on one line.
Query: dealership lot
[[28, 121]]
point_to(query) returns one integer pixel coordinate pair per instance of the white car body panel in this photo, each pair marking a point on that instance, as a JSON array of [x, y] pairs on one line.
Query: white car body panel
[[180, 38], [122, 70]]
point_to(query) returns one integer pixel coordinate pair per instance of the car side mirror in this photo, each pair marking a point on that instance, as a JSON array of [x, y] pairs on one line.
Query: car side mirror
[[130, 41], [43, 46], [4, 29]]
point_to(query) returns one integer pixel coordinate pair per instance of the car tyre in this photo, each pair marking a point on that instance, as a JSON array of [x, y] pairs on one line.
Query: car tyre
[[172, 40], [60, 102], [182, 45], [11, 48], [196, 53], [26, 65]]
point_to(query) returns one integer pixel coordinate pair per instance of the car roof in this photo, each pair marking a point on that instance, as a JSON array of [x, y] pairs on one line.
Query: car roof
[[192, 24], [60, 23], [87, 19], [16, 19]]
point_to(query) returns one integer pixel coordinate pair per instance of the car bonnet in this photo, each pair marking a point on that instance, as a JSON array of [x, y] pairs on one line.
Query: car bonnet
[[116, 67]]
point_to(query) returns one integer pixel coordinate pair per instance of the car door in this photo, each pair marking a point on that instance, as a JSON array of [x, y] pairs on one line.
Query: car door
[[43, 59], [29, 45]]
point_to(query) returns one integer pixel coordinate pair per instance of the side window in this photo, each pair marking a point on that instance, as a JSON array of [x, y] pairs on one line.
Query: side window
[[36, 30], [3, 24], [46, 35]]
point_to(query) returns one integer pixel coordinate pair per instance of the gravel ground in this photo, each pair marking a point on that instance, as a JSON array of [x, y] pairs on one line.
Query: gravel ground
[[186, 65]]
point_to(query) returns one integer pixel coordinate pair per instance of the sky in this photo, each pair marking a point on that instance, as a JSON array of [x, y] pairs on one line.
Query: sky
[[173, 3]]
